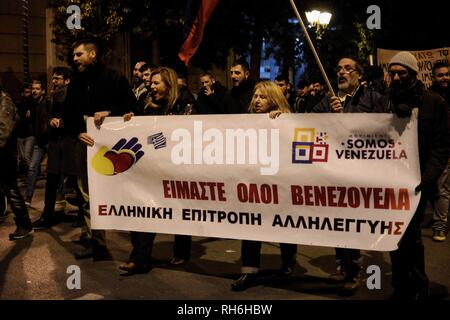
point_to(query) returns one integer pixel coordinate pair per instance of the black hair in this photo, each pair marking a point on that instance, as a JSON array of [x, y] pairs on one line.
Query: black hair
[[440, 64], [91, 44], [209, 74], [62, 71], [244, 64], [282, 77], [303, 83], [42, 83], [147, 66]]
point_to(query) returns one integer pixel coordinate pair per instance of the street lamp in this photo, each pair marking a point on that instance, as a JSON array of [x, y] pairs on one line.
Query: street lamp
[[319, 21]]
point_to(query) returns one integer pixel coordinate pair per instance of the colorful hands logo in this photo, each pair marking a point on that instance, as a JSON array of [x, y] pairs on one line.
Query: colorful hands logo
[[119, 159]]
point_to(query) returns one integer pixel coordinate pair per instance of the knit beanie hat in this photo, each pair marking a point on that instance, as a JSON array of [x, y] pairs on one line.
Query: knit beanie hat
[[405, 59]]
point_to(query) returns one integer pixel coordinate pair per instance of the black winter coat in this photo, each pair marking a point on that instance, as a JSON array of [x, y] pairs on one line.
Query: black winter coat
[[364, 100], [63, 148], [98, 88], [238, 99], [433, 131], [211, 104]]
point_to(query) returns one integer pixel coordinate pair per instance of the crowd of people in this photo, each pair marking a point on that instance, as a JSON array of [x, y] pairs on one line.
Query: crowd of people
[[54, 124]]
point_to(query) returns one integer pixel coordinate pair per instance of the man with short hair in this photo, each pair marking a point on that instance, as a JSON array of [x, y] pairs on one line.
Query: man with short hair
[[405, 95], [237, 100], [352, 97], [441, 85], [61, 150], [313, 97], [283, 83], [441, 80], [211, 94], [95, 91], [138, 83], [41, 107]]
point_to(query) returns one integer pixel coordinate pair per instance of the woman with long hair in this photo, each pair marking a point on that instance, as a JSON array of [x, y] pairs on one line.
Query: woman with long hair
[[267, 98], [163, 99]]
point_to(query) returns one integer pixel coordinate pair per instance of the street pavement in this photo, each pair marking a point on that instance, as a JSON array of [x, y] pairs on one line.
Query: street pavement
[[36, 268]]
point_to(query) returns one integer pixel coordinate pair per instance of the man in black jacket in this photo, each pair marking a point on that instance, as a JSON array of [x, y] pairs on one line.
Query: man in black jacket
[[354, 98], [62, 147], [408, 97], [211, 94], [95, 91], [351, 96], [237, 100], [8, 174]]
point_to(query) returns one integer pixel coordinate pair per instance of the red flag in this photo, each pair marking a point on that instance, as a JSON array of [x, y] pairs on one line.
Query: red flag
[[195, 35]]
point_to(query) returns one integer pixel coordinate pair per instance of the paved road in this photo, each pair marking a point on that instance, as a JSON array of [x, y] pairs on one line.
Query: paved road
[[35, 268]]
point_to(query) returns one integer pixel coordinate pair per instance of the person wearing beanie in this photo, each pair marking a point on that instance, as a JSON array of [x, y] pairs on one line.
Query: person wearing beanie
[[405, 94]]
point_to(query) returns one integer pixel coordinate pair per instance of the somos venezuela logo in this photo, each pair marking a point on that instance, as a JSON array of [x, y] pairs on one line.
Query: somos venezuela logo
[[311, 146], [119, 158]]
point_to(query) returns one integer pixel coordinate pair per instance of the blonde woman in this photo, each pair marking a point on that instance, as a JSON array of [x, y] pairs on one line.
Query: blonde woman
[[164, 99], [267, 98]]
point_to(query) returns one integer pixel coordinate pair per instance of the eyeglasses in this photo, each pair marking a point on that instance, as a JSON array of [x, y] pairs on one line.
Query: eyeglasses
[[57, 78], [442, 75], [346, 69], [401, 73]]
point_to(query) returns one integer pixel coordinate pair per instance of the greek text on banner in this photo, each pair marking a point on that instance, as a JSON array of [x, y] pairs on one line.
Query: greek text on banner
[[316, 179]]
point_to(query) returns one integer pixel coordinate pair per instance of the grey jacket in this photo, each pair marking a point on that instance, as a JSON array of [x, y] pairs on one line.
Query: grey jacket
[[8, 118]]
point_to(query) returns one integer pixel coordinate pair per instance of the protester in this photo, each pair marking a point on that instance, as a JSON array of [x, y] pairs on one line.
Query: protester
[[62, 155], [211, 94], [40, 130], [441, 85], [185, 93], [283, 82], [352, 97], [267, 98], [374, 76], [238, 98], [408, 97], [165, 99], [8, 174], [314, 95], [137, 81], [95, 91]]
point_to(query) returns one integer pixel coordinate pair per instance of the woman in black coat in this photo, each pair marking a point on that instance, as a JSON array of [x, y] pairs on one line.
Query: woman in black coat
[[163, 99]]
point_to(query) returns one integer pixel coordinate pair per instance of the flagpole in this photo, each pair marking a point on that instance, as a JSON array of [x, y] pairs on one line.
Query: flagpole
[[316, 56]]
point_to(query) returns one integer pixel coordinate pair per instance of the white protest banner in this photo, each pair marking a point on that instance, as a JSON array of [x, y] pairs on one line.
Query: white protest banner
[[425, 58], [342, 180]]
